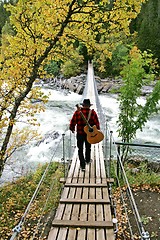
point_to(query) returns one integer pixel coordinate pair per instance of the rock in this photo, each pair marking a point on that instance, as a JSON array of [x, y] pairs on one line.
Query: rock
[[135, 170], [146, 90], [136, 160], [106, 88], [154, 166], [80, 89], [48, 137], [77, 83]]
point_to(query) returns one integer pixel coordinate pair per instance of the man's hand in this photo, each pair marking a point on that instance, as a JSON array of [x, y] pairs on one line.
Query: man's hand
[[72, 130]]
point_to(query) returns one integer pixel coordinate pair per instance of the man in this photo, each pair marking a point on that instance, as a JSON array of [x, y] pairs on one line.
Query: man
[[78, 121]]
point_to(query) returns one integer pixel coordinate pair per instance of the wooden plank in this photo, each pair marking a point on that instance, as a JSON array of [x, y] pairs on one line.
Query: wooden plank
[[91, 207], [110, 234], [107, 180], [106, 209], [73, 164], [71, 234], [63, 231], [85, 224], [84, 201], [72, 192], [82, 232], [84, 210], [62, 180], [88, 169], [102, 166], [62, 211], [91, 234], [53, 233], [98, 172], [62, 234], [75, 207], [100, 233], [90, 185]]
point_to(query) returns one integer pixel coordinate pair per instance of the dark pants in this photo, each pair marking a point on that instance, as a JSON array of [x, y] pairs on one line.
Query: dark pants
[[81, 139]]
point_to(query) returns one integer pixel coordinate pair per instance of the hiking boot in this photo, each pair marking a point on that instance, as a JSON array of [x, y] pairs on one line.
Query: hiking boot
[[83, 168], [88, 162]]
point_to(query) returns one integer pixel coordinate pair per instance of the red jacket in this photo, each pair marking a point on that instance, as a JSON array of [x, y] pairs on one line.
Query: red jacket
[[78, 121]]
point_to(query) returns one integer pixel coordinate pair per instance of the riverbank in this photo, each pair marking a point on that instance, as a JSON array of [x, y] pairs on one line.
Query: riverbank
[[77, 84]]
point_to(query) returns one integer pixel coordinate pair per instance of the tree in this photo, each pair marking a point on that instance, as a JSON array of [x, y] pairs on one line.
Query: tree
[[72, 67], [4, 15], [138, 71], [53, 68], [46, 30], [147, 26]]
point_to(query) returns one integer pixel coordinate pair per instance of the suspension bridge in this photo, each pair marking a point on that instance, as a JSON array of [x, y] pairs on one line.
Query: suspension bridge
[[86, 209]]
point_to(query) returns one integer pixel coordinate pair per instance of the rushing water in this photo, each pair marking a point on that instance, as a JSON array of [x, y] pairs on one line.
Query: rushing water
[[151, 130], [55, 120]]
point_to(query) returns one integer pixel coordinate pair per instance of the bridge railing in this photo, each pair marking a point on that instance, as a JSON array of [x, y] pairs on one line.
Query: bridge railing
[[62, 153], [115, 168]]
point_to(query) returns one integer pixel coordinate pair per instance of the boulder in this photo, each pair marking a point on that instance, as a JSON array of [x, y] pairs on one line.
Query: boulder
[[136, 160], [154, 166]]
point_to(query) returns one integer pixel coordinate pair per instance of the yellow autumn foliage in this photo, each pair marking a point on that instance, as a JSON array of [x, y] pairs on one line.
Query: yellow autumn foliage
[[45, 30], [16, 196]]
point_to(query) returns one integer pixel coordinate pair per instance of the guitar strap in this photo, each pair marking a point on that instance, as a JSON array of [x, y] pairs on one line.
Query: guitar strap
[[89, 115]]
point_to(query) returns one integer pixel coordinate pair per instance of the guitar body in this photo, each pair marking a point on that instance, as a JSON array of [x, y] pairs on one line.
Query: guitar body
[[95, 136]]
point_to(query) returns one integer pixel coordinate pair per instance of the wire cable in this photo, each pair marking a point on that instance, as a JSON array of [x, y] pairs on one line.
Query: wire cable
[[18, 228], [142, 232], [45, 204]]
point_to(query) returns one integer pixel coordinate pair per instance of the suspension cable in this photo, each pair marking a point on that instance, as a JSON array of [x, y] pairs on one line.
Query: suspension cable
[[45, 204], [144, 234], [42, 212], [17, 229], [125, 208]]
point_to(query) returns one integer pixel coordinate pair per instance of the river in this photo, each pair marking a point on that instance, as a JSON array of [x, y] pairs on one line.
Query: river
[[55, 120]]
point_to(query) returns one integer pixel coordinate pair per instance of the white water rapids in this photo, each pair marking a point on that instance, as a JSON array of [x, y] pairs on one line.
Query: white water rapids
[[55, 120]]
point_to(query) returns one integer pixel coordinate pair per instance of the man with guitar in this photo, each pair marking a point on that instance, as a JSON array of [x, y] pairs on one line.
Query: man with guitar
[[87, 126]]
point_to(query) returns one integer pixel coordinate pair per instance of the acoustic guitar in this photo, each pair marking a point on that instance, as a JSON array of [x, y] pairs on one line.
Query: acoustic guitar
[[94, 135]]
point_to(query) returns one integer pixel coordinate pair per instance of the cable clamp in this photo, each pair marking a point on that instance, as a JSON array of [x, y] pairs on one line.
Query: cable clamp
[[145, 235], [17, 229], [114, 220]]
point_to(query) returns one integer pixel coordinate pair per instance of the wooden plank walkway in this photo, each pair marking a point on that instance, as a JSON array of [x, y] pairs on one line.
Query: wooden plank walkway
[[84, 210]]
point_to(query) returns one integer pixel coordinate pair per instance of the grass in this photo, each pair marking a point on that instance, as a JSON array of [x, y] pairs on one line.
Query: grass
[[16, 196], [143, 176]]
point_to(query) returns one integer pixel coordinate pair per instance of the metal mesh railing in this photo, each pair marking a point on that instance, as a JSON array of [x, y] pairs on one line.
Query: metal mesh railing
[[150, 153]]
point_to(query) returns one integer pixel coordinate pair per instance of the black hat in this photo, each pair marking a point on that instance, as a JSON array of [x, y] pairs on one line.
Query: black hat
[[86, 102]]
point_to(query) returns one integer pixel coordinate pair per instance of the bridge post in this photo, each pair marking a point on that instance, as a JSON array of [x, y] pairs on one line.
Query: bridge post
[[118, 158], [110, 154], [63, 155]]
